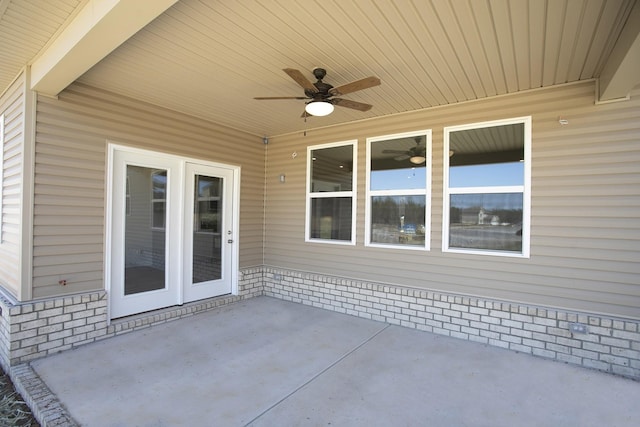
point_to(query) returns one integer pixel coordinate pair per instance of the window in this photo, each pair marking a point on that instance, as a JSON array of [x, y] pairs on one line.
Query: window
[[487, 184], [158, 198], [331, 183], [398, 190]]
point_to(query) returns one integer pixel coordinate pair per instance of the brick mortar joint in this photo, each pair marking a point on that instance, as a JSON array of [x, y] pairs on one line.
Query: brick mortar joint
[[46, 408], [511, 308]]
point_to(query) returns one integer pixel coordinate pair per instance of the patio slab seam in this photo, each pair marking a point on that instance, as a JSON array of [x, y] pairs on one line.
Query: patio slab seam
[[317, 375]]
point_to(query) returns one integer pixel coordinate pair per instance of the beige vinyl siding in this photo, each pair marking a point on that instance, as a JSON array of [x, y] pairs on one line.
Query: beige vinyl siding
[[12, 106], [585, 221], [70, 163]]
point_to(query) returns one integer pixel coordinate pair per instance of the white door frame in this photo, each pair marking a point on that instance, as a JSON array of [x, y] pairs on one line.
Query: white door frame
[[112, 147]]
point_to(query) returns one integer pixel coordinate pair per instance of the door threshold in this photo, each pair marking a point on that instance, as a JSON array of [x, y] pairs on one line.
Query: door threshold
[[168, 314]]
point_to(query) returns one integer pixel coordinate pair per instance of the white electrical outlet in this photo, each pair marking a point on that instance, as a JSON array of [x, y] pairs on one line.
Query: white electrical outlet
[[578, 328]]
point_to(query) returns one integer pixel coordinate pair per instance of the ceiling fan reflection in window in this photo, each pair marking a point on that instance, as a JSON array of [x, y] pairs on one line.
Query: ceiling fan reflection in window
[[416, 155], [322, 95]]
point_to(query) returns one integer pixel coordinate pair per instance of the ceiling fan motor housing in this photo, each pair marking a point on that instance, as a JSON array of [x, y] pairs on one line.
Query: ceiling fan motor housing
[[323, 88], [319, 73]]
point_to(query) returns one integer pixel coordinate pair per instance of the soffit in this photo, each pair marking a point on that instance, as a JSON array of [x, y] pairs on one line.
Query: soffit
[[27, 27], [210, 58]]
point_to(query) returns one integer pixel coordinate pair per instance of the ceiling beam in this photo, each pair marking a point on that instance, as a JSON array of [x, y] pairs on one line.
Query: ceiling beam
[[621, 72], [98, 29]]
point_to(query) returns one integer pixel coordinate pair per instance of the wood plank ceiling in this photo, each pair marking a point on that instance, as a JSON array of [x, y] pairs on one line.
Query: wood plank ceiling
[[210, 58]]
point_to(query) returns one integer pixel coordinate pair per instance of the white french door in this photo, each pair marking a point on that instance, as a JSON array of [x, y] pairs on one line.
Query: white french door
[[208, 232], [172, 231]]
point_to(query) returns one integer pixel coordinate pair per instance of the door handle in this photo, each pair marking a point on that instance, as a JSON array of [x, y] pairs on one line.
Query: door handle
[[230, 241]]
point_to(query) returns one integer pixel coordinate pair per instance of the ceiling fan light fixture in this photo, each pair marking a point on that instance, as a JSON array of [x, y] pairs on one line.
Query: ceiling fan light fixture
[[319, 108], [417, 160]]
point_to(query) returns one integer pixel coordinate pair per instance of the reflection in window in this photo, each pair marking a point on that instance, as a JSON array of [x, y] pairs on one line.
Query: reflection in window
[[331, 218], [398, 220], [486, 221], [487, 206], [398, 189], [331, 169], [207, 224], [145, 237], [330, 203], [207, 207], [127, 197], [159, 198], [487, 175]]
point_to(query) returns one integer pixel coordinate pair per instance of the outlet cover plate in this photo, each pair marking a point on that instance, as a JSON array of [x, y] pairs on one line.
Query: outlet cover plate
[[578, 328]]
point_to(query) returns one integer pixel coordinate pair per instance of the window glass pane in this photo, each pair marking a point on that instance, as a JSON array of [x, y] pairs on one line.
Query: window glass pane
[[399, 179], [332, 169], [487, 156], [488, 175], [158, 214], [398, 220], [144, 252], [207, 186], [159, 194], [207, 209], [159, 182], [207, 216], [398, 164], [331, 218], [486, 221], [127, 199]]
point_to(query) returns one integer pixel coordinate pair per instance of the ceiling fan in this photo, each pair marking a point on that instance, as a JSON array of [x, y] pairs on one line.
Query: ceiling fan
[[416, 155], [321, 94]]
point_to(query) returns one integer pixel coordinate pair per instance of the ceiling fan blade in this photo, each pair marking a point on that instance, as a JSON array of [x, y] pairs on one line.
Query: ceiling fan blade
[[401, 157], [301, 79], [262, 98], [395, 151], [351, 104], [354, 86]]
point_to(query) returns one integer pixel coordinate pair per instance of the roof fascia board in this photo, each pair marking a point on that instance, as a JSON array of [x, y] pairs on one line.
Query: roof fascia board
[[620, 74], [98, 29]]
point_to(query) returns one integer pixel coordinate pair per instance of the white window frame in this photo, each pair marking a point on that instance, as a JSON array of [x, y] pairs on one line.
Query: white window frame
[[332, 194], [405, 192], [525, 189]]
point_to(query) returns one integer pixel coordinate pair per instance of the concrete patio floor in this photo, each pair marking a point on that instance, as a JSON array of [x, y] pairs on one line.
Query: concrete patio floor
[[267, 362]]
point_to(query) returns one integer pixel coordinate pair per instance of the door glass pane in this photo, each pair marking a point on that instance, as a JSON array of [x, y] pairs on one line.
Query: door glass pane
[[144, 230], [207, 214]]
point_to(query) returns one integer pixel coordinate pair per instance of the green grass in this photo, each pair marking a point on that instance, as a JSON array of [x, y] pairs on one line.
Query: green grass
[[14, 412]]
